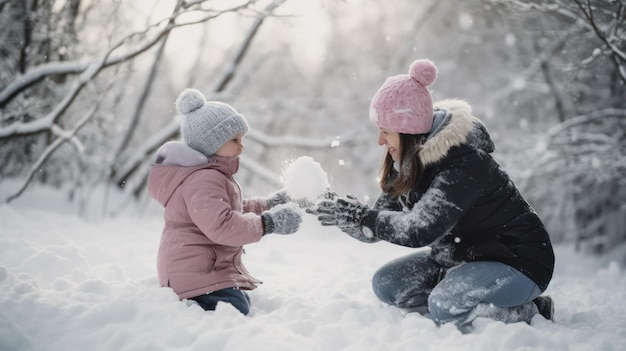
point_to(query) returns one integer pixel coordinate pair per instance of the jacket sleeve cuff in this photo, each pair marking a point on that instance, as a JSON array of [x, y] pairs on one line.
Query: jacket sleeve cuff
[[369, 220], [268, 223]]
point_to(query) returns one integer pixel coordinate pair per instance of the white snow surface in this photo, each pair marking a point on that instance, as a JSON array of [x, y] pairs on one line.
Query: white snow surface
[[69, 283]]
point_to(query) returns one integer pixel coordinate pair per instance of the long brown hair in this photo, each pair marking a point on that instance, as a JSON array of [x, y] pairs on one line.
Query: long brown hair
[[398, 183]]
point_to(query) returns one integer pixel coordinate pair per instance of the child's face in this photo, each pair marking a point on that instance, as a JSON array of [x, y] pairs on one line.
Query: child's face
[[392, 141], [232, 147]]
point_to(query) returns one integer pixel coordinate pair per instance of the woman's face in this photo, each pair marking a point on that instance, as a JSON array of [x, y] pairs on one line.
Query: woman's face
[[391, 140], [232, 147]]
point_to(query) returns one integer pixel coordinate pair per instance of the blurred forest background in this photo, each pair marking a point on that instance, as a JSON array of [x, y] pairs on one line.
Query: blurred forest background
[[87, 91]]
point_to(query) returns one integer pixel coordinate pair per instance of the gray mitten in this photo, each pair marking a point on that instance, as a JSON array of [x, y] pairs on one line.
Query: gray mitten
[[282, 219], [347, 214]]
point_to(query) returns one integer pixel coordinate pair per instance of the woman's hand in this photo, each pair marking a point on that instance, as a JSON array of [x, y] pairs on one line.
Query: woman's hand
[[348, 210], [347, 214], [309, 205]]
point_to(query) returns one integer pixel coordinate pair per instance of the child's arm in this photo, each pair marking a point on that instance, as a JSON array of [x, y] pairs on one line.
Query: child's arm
[[255, 205], [260, 204], [208, 205]]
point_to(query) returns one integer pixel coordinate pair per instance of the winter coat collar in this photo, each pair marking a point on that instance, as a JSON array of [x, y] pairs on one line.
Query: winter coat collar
[[457, 127], [176, 161], [175, 153]]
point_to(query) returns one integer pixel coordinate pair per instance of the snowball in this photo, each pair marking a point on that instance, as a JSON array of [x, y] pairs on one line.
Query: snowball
[[510, 39], [305, 178], [466, 21]]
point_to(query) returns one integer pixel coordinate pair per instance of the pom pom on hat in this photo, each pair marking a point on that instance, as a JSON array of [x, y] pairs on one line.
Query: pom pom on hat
[[207, 125], [423, 71], [189, 100], [403, 103]]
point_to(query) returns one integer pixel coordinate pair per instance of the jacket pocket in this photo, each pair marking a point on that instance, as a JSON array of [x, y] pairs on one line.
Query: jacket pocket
[[224, 257]]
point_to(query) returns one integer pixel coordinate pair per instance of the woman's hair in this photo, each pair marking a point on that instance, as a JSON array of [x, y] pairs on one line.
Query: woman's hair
[[400, 182]]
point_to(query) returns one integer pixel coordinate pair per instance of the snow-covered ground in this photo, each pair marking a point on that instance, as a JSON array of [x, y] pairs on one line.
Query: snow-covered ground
[[72, 284]]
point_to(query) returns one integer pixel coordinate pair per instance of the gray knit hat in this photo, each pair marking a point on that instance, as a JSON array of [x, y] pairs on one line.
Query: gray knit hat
[[207, 125]]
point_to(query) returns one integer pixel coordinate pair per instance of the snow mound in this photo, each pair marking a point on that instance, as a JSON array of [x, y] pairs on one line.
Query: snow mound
[[68, 283]]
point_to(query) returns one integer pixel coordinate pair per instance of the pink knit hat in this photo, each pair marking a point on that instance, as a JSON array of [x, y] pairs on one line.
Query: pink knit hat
[[403, 104]]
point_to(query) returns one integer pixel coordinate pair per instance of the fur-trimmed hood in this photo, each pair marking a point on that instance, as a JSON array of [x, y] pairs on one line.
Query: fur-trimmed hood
[[454, 125]]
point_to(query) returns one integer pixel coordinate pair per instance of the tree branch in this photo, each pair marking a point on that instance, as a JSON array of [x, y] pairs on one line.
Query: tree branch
[[616, 55], [63, 136], [21, 82], [171, 130], [586, 118]]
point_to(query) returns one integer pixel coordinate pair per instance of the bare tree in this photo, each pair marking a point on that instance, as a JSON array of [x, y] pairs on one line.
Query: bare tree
[[125, 50], [126, 170], [587, 155], [585, 150], [593, 36]]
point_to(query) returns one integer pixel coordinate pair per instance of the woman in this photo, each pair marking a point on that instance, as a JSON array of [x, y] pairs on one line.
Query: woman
[[490, 253]]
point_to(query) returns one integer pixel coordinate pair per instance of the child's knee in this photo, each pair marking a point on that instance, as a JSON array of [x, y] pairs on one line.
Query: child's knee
[[235, 297], [240, 300]]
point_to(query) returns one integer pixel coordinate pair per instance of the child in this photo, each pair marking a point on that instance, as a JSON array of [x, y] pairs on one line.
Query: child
[[206, 220]]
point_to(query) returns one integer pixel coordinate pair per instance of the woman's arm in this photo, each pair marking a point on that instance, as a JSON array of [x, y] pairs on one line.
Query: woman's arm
[[454, 190], [386, 202]]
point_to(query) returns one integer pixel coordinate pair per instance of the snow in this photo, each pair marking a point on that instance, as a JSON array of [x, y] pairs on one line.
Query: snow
[[69, 283], [304, 178]]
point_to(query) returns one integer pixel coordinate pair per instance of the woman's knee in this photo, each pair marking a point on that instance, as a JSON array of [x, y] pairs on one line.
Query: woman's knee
[[405, 282], [453, 298], [446, 308], [383, 285], [483, 283]]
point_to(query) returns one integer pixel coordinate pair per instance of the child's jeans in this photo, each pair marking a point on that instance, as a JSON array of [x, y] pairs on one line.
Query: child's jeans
[[239, 299], [460, 294]]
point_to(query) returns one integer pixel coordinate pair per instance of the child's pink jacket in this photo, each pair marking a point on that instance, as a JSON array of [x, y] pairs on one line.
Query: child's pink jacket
[[206, 223]]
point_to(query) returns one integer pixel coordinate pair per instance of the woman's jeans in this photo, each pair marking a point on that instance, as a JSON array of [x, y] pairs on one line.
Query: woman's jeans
[[460, 294], [239, 299]]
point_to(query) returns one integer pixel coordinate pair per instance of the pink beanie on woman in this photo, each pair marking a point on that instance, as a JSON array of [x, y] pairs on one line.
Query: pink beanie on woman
[[403, 104]]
